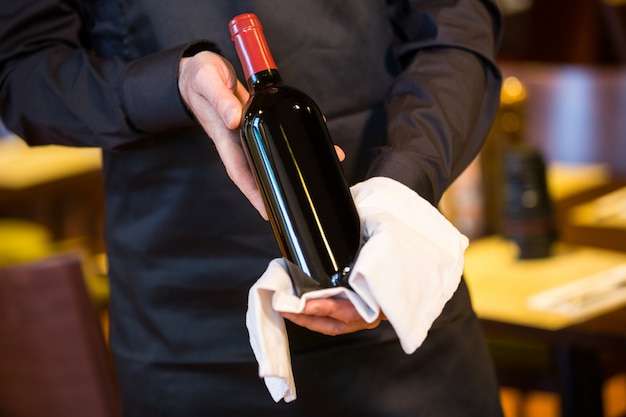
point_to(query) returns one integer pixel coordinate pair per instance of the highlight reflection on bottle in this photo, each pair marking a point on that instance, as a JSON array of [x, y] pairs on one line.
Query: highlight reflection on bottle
[[296, 167]]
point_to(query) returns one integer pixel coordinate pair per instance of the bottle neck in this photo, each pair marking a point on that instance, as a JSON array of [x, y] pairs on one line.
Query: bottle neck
[[258, 64], [263, 79]]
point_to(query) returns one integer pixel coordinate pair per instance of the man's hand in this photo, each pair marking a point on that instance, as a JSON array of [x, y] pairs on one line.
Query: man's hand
[[331, 316], [209, 86], [210, 89]]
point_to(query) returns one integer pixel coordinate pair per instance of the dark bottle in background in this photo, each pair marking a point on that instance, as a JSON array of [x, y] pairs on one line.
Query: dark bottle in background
[[308, 200], [508, 130], [517, 200], [527, 218]]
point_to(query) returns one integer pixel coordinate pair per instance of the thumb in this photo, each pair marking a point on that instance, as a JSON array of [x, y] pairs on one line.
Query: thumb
[[225, 97], [226, 105], [233, 110]]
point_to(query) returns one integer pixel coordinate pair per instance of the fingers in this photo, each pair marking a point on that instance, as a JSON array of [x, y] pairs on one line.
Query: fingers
[[209, 87], [331, 317], [208, 80], [238, 170], [241, 92], [339, 309], [340, 153]]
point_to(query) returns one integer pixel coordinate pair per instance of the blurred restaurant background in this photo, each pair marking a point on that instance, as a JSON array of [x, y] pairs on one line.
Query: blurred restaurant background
[[544, 206]]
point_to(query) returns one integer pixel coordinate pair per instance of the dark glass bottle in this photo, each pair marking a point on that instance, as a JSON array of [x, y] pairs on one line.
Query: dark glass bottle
[[292, 155], [528, 215]]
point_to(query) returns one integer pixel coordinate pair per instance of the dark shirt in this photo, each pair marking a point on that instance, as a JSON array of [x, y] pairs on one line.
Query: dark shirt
[[409, 89]]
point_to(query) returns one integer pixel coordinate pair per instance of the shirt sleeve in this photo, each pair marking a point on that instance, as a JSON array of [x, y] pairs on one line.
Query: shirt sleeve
[[54, 90], [441, 105]]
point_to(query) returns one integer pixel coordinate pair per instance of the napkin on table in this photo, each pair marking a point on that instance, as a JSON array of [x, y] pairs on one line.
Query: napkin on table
[[408, 268]]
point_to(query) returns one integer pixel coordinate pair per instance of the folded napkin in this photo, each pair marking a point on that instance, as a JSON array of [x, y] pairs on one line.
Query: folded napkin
[[408, 268]]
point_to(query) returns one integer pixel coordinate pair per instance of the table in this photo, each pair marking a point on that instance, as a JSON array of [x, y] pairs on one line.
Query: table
[[59, 187], [504, 286], [23, 167], [574, 346], [575, 116]]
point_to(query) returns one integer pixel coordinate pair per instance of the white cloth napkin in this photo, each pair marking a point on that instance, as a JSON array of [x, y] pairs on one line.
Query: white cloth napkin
[[409, 268]]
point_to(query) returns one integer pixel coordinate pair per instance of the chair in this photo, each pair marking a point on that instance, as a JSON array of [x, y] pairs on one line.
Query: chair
[[53, 358]]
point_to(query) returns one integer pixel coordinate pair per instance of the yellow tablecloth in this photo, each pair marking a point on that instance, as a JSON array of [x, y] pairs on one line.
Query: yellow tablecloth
[[22, 166], [501, 284]]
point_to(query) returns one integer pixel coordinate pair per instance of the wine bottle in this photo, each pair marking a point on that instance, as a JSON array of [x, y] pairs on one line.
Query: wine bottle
[[296, 167]]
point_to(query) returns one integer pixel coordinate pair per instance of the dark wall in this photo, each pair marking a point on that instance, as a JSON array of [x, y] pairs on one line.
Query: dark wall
[[566, 31]]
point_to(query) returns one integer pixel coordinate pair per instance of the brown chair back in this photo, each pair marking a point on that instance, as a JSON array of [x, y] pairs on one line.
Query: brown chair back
[[53, 358]]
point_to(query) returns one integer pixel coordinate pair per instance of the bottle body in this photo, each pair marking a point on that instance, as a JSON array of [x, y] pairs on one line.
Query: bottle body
[[308, 200], [528, 218]]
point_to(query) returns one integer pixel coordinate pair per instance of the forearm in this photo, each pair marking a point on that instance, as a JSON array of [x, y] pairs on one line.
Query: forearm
[[86, 101], [437, 126], [441, 106], [54, 90]]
